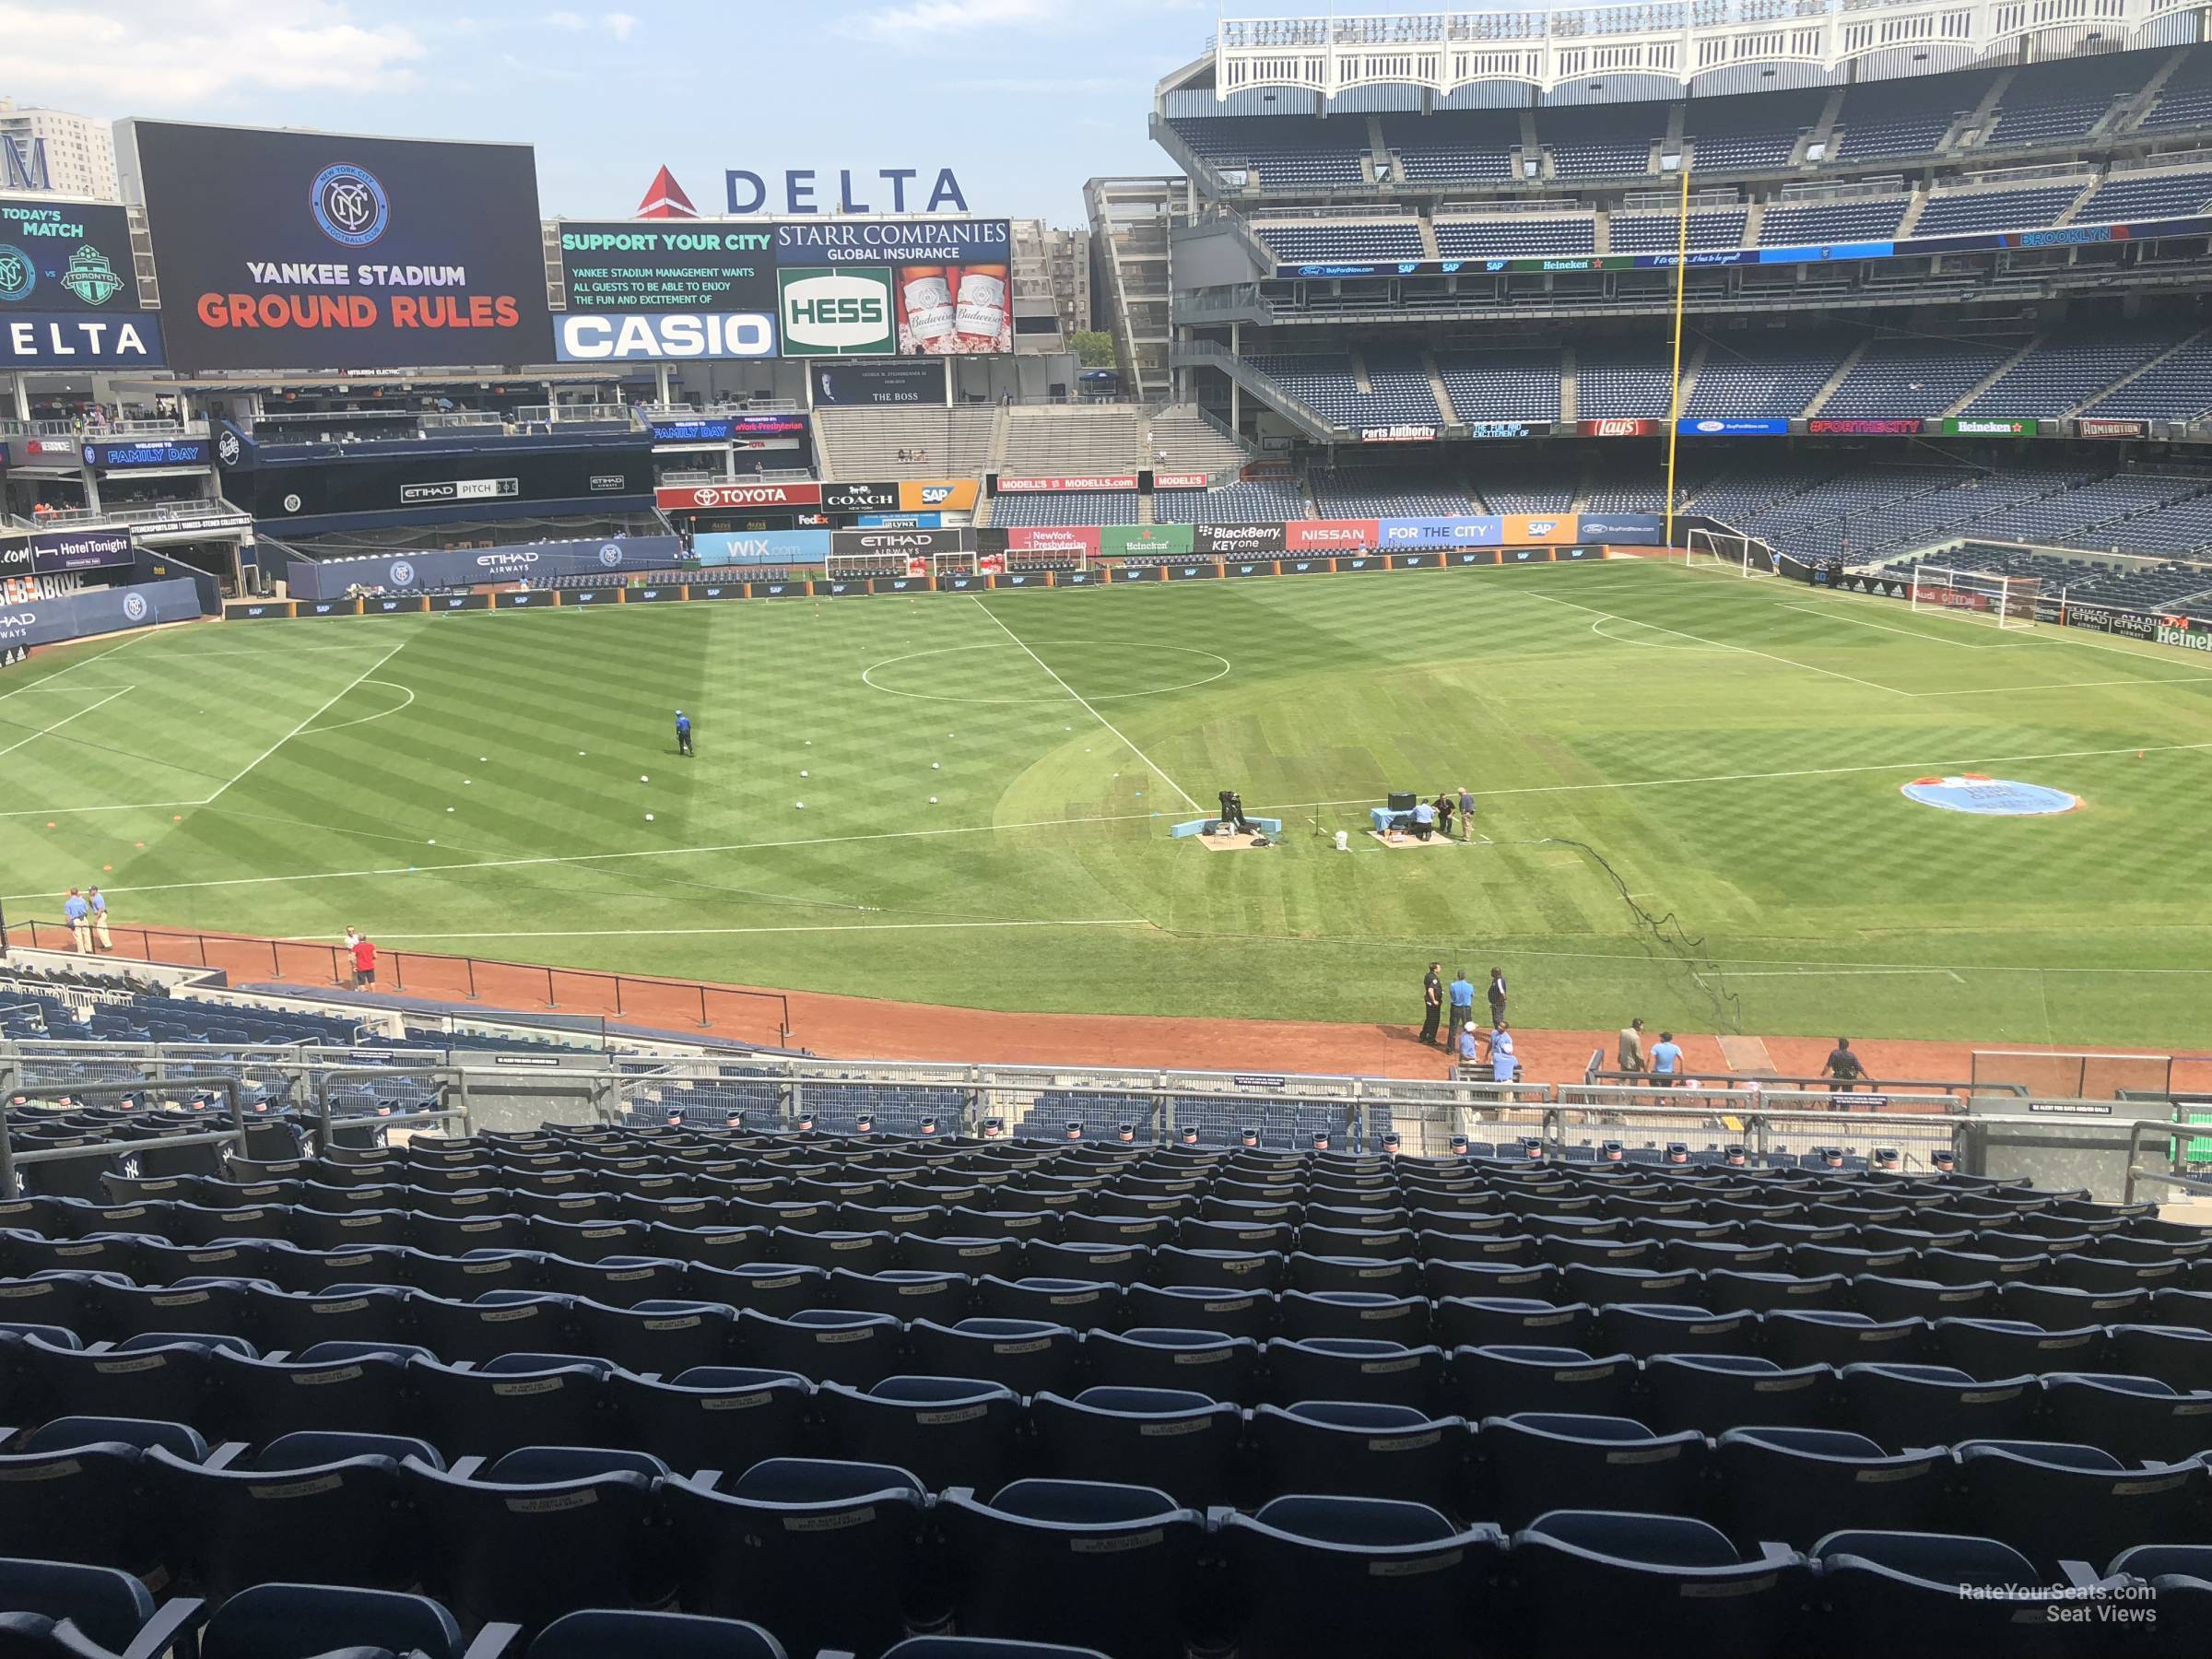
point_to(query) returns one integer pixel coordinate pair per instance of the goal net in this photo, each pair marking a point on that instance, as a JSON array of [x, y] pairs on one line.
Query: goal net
[[1977, 596], [1731, 551]]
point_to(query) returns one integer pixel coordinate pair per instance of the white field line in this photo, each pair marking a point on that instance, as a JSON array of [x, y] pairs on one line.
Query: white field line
[[404, 691], [1910, 633], [65, 720], [1725, 645], [672, 932], [1914, 767], [46, 680], [1088, 709], [573, 858], [2172, 679], [295, 732]]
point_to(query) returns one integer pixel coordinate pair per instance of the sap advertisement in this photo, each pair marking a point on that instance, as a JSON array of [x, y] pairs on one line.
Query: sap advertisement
[[913, 288], [303, 250], [762, 547], [98, 611], [65, 257], [479, 567]]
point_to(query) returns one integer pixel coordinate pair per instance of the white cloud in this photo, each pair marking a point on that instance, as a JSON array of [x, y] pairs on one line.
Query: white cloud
[[930, 17], [621, 25], [138, 56]]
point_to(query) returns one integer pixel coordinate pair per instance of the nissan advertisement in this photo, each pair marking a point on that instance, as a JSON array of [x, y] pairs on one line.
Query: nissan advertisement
[[305, 250]]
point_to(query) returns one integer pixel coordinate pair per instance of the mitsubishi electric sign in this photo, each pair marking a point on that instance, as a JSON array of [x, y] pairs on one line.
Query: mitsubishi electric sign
[[829, 312]]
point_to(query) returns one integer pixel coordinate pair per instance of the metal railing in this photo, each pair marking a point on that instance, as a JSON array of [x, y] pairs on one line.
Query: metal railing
[[556, 414], [1597, 1072], [765, 1016], [11, 1159]]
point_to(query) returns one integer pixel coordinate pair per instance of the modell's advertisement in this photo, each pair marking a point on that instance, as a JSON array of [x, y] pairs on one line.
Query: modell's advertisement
[[302, 250]]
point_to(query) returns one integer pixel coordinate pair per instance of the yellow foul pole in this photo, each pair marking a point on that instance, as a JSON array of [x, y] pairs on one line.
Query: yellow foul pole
[[1674, 409]]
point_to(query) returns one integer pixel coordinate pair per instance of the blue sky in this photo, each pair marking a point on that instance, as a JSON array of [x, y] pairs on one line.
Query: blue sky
[[1023, 99]]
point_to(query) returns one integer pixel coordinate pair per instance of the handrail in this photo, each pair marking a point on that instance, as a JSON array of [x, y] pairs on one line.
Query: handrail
[[636, 996], [1597, 1073], [9, 1157]]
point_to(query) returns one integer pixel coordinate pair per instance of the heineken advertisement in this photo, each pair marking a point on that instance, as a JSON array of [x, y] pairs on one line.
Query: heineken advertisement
[[1126, 539], [64, 256]]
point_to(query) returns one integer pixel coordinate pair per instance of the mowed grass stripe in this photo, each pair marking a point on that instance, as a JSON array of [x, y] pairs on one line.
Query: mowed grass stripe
[[1338, 688]]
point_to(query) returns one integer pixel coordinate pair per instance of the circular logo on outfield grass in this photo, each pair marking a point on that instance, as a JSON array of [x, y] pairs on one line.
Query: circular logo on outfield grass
[[1990, 797]]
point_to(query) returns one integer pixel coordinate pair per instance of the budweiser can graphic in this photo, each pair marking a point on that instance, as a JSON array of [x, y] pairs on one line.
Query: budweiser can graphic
[[981, 311], [926, 295]]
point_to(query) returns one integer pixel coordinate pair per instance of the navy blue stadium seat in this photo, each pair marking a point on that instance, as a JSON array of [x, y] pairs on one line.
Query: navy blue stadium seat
[[1795, 1484], [276, 1620], [1539, 1461], [1363, 1451], [1321, 1577], [1065, 1561], [1901, 1592], [944, 1430], [1179, 1441], [1588, 1581], [596, 1634]]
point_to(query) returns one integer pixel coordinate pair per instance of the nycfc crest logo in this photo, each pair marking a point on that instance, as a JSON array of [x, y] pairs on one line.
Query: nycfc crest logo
[[611, 556], [91, 277], [18, 274], [403, 573], [133, 606], [349, 205]]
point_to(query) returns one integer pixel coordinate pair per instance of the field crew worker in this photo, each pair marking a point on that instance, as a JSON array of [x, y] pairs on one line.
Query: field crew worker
[[364, 961], [99, 920], [683, 733], [75, 911], [1463, 999], [1466, 1044]]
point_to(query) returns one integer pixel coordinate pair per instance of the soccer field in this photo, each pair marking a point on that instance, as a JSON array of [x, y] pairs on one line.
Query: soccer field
[[1646, 741]]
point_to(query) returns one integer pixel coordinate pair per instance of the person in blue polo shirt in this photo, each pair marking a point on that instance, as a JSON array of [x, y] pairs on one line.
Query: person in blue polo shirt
[[76, 912], [1666, 1060], [1462, 993], [683, 733]]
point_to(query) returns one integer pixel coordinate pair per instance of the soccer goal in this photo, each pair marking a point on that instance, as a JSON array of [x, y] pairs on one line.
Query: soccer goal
[[1977, 596], [1731, 551]]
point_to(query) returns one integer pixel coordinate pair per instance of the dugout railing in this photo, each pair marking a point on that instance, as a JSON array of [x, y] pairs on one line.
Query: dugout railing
[[1598, 1072]]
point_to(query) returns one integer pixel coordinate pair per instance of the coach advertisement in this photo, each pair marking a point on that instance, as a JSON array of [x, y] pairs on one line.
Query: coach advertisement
[[480, 566], [1238, 541], [862, 498], [65, 257], [98, 611], [304, 250]]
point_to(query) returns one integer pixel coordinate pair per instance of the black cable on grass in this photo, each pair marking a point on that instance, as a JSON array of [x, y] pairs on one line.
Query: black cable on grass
[[1664, 936]]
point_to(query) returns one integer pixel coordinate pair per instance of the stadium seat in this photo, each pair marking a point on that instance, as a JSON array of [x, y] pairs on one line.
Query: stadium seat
[[2055, 1502], [95, 1504], [110, 1608], [1319, 1577], [825, 1554], [506, 1403], [2139, 1419], [1505, 1379], [1900, 1406], [534, 1536], [1539, 1461], [1587, 1582], [1361, 1450], [944, 1430], [1156, 1356], [1796, 1484], [1179, 1441], [274, 1620], [716, 1417], [1062, 1561], [1340, 1368], [1901, 1592], [1715, 1392]]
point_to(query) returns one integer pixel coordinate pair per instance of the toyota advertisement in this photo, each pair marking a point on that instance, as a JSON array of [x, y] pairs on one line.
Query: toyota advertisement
[[305, 250]]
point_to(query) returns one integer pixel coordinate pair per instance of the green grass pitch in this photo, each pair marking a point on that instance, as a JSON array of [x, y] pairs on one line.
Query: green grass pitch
[[1733, 748]]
